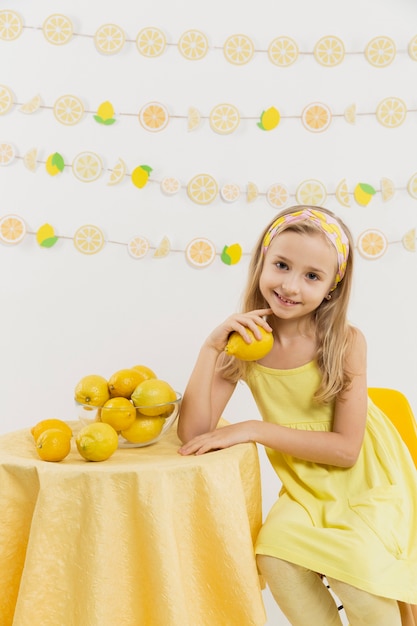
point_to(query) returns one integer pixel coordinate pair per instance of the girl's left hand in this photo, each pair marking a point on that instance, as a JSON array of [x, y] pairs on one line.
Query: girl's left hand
[[222, 437]]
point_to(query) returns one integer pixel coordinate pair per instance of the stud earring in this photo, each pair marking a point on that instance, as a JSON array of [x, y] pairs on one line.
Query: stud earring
[[329, 296]]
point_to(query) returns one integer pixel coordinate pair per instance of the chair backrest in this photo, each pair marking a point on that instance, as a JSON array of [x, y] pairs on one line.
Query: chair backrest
[[396, 406]]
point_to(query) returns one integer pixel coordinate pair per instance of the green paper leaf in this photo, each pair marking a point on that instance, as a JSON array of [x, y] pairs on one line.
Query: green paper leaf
[[109, 121], [367, 188], [225, 257], [260, 125], [147, 168], [58, 161], [48, 243]]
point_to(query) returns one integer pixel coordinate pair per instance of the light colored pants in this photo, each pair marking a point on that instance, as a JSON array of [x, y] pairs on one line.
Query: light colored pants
[[306, 601]]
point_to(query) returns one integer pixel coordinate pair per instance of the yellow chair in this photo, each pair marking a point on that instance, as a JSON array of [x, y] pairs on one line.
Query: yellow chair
[[396, 406]]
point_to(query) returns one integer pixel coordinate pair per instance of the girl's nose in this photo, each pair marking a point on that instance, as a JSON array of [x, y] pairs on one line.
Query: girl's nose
[[290, 285]]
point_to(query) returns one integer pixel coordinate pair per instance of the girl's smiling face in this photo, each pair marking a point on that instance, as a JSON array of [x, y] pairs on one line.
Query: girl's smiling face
[[298, 273]]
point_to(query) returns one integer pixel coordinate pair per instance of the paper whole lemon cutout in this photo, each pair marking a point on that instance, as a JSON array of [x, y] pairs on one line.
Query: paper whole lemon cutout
[[387, 189], [277, 195], [257, 349], [105, 114], [89, 239], [57, 29], [363, 193], [283, 51], [6, 99], [87, 167], [231, 254], [138, 247], [7, 153], [32, 105], [193, 118], [154, 117], [316, 117], [409, 240], [118, 173], [68, 110], [230, 192], [109, 39], [391, 112], [200, 252], [412, 186], [11, 25], [238, 49], [311, 192], [329, 51], [151, 42], [140, 175], [412, 48], [46, 237], [342, 193], [372, 244], [29, 159], [269, 119], [251, 192], [170, 185], [380, 51], [163, 249], [193, 45], [54, 164], [224, 119], [350, 114], [202, 189], [12, 229]]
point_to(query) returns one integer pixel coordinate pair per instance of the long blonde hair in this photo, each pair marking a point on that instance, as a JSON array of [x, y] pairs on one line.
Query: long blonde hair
[[333, 332]]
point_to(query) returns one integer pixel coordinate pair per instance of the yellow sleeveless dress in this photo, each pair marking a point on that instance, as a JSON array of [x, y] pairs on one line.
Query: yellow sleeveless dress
[[358, 524]]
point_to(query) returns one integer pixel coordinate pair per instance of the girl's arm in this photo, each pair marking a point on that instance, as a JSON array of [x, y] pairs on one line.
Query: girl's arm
[[340, 447]]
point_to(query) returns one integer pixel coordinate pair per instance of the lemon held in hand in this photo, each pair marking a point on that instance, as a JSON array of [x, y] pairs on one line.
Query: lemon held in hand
[[257, 349], [53, 444], [97, 441]]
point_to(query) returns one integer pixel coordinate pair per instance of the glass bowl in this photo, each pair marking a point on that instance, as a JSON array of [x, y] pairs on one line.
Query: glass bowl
[[164, 414]]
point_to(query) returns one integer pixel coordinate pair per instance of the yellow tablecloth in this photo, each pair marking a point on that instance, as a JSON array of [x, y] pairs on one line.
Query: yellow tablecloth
[[146, 538]]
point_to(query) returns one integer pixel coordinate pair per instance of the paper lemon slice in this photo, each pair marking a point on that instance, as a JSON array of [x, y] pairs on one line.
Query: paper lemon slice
[[277, 195], [87, 167], [68, 110], [202, 189], [316, 117], [170, 185], [12, 229], [154, 117], [372, 244], [342, 193], [350, 114], [193, 118], [252, 192], [7, 153], [391, 112], [57, 29], [200, 252], [283, 51], [409, 240], [329, 51], [29, 159], [151, 42], [412, 186], [11, 25], [163, 249], [311, 192], [224, 119], [412, 48], [118, 173], [138, 247], [6, 99], [387, 189], [238, 49], [31, 106], [193, 45], [89, 239], [230, 192], [109, 39], [380, 51]]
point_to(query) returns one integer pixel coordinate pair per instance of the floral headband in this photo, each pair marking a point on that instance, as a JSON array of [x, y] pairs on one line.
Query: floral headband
[[327, 224]]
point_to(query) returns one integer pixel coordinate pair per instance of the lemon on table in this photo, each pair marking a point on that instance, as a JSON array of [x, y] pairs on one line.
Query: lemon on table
[[124, 382], [118, 412], [144, 429], [97, 441], [93, 390], [53, 444], [52, 422], [257, 349], [151, 395]]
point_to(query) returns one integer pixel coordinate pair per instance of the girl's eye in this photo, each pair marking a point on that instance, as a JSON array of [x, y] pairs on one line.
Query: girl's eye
[[312, 276], [281, 266]]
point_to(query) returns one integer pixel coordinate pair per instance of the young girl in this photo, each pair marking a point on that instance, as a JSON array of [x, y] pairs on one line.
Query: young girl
[[347, 509]]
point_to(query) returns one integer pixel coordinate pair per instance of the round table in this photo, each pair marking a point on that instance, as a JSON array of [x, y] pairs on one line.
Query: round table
[[146, 538]]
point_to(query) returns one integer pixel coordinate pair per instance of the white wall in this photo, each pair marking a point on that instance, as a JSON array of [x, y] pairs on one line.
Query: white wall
[[65, 315]]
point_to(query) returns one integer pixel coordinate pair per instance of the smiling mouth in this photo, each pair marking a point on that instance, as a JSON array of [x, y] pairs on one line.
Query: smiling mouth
[[285, 300]]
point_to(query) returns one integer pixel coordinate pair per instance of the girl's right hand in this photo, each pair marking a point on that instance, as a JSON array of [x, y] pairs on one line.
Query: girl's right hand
[[239, 322]]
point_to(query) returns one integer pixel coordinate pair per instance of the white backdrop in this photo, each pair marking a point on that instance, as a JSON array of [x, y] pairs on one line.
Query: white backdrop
[[65, 314]]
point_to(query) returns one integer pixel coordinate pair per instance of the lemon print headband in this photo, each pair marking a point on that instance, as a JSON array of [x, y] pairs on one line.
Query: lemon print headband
[[327, 224]]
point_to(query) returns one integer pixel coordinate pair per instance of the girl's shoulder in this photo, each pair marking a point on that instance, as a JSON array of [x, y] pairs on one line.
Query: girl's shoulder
[[356, 351]]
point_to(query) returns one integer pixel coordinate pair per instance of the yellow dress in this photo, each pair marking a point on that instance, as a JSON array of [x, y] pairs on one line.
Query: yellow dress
[[357, 524]]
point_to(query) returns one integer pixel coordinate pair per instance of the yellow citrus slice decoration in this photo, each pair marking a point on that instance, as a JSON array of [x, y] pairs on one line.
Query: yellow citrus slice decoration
[[391, 112], [163, 249], [380, 51], [10, 25], [31, 106], [29, 159], [277, 195], [170, 185], [151, 42], [57, 29], [138, 247], [7, 153], [238, 49], [342, 193], [230, 192], [316, 117], [251, 192], [409, 240], [387, 189], [311, 192], [350, 114], [412, 186], [6, 99], [89, 239], [202, 189], [87, 167], [372, 244], [12, 229], [283, 51], [329, 51], [200, 252], [118, 173], [154, 117], [68, 110], [412, 48], [193, 118], [193, 45], [109, 39], [224, 119]]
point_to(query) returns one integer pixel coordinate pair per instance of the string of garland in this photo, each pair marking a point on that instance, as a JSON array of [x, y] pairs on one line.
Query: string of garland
[[238, 49]]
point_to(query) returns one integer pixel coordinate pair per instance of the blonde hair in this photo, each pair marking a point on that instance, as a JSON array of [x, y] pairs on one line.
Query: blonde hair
[[333, 332]]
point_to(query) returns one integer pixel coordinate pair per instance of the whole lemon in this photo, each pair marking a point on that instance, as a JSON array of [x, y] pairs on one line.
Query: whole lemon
[[152, 396], [118, 412], [124, 382], [146, 372], [53, 444], [97, 441], [93, 390], [52, 422], [257, 349], [144, 429]]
